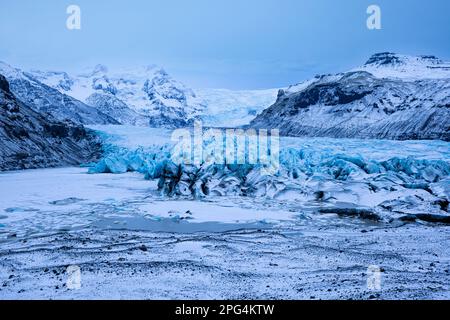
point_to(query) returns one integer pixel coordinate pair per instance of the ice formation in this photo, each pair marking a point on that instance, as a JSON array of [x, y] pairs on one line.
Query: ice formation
[[397, 187]]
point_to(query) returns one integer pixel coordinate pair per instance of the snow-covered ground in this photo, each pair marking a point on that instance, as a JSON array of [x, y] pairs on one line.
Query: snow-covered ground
[[130, 240], [54, 200]]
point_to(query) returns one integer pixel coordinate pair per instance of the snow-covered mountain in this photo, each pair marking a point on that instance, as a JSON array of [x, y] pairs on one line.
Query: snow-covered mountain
[[29, 139], [148, 96], [397, 66], [391, 96], [46, 99], [140, 96]]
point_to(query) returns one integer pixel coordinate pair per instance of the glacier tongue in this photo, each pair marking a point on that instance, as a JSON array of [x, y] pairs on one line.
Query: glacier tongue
[[310, 179], [228, 108]]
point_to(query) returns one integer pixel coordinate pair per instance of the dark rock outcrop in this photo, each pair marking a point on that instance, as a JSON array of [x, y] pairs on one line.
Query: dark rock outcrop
[[29, 139], [358, 104], [45, 99]]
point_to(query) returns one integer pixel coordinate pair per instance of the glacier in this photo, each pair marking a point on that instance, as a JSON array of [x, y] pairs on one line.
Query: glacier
[[315, 174], [233, 108]]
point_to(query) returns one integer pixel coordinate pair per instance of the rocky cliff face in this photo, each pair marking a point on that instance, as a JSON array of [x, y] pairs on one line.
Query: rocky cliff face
[[400, 98], [47, 100], [29, 139]]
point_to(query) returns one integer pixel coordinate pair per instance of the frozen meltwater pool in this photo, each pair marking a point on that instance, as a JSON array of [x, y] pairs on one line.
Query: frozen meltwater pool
[[51, 200]]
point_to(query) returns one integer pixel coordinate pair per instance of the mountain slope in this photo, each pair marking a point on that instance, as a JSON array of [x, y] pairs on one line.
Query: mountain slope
[[143, 96], [45, 99], [31, 140], [400, 98]]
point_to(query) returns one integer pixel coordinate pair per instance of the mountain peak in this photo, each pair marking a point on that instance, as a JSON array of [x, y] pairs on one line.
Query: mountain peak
[[394, 65], [390, 59], [384, 59], [100, 68], [9, 71]]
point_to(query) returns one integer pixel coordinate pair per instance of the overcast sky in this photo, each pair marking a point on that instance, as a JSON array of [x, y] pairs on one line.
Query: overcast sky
[[237, 44]]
